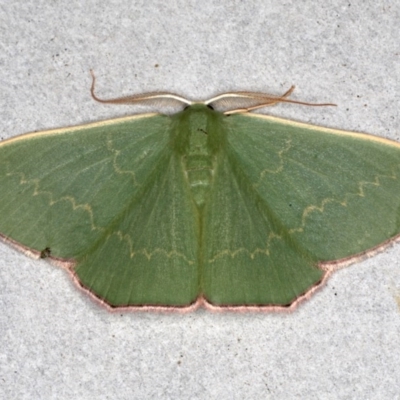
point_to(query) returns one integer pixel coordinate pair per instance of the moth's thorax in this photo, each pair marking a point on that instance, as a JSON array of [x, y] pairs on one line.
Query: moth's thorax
[[201, 134]]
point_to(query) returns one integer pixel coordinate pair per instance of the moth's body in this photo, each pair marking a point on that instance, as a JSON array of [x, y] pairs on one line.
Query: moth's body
[[198, 141]]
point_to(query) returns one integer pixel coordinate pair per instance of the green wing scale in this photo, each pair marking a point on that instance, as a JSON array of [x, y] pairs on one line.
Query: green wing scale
[[199, 208], [288, 197], [112, 198]]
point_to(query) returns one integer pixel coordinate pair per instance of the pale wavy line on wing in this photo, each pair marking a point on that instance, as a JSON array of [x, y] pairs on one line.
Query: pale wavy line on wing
[[279, 169], [305, 215], [117, 169], [125, 237], [251, 254], [346, 198], [35, 183]]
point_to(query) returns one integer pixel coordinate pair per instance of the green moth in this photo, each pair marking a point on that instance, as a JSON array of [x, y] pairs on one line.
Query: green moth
[[226, 209]]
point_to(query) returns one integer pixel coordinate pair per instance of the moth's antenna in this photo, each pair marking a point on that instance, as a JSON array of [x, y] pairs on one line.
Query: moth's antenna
[[139, 98], [258, 100]]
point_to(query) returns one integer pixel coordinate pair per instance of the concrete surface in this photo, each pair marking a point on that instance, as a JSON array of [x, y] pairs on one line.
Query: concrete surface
[[58, 344]]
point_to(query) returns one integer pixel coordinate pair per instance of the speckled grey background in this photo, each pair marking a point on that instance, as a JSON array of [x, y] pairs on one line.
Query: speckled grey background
[[55, 342]]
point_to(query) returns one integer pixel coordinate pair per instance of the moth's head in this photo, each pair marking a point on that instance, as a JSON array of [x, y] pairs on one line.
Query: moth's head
[[198, 123]]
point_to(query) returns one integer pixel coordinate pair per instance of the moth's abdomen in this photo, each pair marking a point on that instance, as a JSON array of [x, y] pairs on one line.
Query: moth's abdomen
[[198, 168]]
